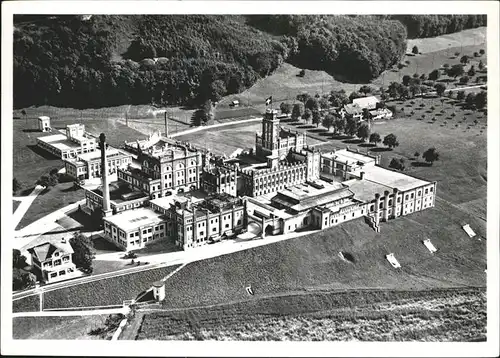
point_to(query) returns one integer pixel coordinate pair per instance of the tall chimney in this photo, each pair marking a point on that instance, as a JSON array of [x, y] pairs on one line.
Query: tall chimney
[[106, 210]]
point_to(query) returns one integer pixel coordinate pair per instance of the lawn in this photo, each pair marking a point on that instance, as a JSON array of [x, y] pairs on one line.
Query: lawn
[[57, 197], [311, 262], [103, 266], [15, 204], [431, 315], [112, 291], [27, 304], [461, 170], [67, 327], [226, 140]]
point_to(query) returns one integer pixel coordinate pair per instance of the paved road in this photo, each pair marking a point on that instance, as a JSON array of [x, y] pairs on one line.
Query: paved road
[[86, 279], [41, 226], [123, 310], [25, 204], [201, 128]]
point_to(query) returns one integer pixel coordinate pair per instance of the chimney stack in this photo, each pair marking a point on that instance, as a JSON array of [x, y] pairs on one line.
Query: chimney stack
[[106, 210]]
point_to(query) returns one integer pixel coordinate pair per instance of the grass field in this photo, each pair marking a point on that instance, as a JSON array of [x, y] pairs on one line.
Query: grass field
[[311, 262], [431, 315], [27, 304], [101, 266], [227, 139], [284, 84], [15, 204], [57, 197], [112, 291], [66, 327]]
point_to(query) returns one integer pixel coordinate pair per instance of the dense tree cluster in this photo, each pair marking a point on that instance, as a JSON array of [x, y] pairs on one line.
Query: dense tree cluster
[[419, 26], [79, 63], [20, 277]]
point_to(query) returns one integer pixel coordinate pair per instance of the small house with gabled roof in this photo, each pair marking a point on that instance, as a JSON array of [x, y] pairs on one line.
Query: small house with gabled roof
[[52, 258]]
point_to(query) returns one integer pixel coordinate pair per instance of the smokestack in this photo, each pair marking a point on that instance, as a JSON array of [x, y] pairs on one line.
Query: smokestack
[[104, 176]]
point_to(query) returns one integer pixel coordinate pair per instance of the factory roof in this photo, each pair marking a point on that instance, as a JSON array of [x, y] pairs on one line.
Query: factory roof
[[59, 141], [344, 155], [133, 219], [365, 190], [300, 197], [392, 179]]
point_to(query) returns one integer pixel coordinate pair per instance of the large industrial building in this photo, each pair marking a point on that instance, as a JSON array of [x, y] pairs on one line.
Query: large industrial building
[[75, 141], [193, 198]]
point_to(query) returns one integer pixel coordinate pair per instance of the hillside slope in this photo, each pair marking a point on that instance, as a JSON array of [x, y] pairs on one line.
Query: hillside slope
[[114, 60]]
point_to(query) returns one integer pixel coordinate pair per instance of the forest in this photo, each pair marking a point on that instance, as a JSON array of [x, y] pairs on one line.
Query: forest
[[189, 59]]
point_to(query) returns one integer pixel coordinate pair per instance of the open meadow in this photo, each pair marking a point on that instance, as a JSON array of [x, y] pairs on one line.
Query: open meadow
[[285, 84], [227, 139], [67, 327], [372, 315]]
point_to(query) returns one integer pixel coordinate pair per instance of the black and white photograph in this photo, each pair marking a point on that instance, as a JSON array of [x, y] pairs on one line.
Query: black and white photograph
[[213, 178]]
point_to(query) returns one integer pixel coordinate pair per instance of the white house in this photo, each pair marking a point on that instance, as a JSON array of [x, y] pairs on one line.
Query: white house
[[53, 259]]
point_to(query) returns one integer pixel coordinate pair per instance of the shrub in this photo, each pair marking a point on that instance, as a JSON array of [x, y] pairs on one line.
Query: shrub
[[302, 73], [398, 164]]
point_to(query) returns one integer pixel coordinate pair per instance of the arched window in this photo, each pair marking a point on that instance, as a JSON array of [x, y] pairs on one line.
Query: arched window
[[180, 166], [145, 163]]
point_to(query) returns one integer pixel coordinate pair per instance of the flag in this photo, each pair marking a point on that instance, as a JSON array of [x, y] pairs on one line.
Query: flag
[[269, 100]]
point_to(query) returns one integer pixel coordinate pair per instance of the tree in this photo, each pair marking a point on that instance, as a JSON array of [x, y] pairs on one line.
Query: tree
[[400, 66], [423, 77], [464, 80], [367, 116], [316, 118], [351, 126], [365, 89], [339, 125], [84, 253], [198, 118], [391, 141], [406, 80], [476, 54], [434, 75], [397, 163], [472, 71], [363, 132], [328, 121], [481, 99], [16, 185], [302, 73], [440, 88], [480, 65], [431, 155], [47, 181], [323, 103], [338, 98], [470, 100], [285, 108], [464, 59], [312, 104], [354, 95], [414, 50], [18, 260], [217, 89], [303, 97], [375, 138], [457, 54], [297, 111], [455, 71], [307, 115], [460, 95], [481, 52], [414, 89], [416, 155]]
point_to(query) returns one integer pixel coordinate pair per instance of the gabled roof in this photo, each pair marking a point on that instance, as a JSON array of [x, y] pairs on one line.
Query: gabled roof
[[45, 250]]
